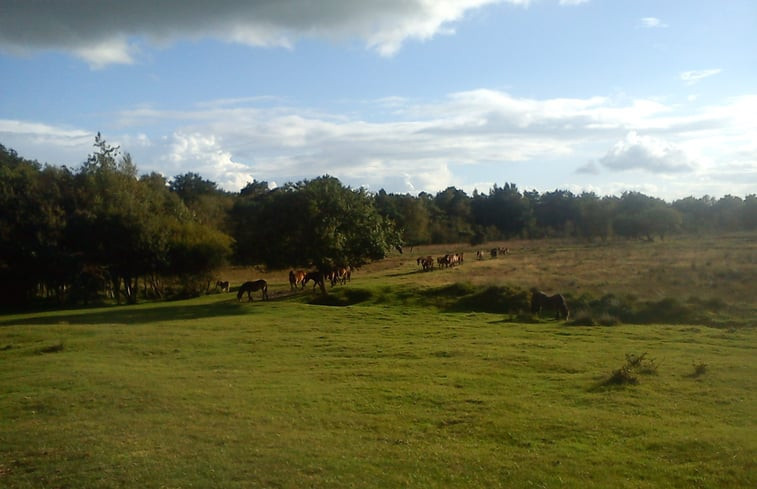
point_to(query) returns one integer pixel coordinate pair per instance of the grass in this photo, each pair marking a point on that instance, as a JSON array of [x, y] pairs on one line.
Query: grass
[[410, 382]]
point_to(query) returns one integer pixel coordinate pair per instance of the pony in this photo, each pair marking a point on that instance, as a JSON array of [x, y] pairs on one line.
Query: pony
[[341, 275], [250, 287], [296, 278], [224, 286], [557, 302], [427, 263], [316, 277]]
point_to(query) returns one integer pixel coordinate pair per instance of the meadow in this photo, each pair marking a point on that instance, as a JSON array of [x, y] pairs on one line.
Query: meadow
[[401, 378]]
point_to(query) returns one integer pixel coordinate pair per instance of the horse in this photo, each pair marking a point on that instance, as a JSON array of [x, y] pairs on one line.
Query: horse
[[296, 278], [341, 275], [224, 286], [316, 277], [557, 302], [250, 287]]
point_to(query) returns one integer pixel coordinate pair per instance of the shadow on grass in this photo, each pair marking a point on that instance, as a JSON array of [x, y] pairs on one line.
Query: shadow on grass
[[157, 312]]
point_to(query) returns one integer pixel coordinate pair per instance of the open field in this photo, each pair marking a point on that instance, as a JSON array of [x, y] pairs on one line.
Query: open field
[[394, 391]]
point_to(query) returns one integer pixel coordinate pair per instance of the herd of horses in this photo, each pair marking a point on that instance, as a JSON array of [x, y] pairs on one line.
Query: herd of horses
[[444, 261], [298, 279]]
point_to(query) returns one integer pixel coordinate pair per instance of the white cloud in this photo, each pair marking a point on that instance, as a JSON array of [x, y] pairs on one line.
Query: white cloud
[[646, 153], [107, 52], [694, 76], [652, 23], [204, 154]]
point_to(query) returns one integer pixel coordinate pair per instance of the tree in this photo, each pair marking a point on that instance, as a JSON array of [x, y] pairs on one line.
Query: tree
[[594, 216], [314, 223], [208, 203], [410, 215], [32, 219], [453, 220], [556, 212], [503, 209]]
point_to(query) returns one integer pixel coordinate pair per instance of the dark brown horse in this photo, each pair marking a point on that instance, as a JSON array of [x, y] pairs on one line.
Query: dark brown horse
[[316, 277], [557, 302], [296, 278], [250, 287]]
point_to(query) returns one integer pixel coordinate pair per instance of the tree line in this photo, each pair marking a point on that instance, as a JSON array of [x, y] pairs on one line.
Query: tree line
[[78, 235]]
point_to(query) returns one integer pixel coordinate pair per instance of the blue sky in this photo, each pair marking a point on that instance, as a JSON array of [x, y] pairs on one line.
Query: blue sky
[[406, 95]]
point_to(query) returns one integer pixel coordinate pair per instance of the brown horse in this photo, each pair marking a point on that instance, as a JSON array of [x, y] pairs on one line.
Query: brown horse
[[316, 277], [250, 287], [296, 278], [557, 302], [341, 275]]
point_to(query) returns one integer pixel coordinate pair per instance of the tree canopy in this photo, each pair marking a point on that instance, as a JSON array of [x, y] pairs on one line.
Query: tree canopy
[[315, 223]]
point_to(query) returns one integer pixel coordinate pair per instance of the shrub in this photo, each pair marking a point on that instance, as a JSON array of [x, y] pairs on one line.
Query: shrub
[[699, 369], [497, 299], [582, 317], [634, 364]]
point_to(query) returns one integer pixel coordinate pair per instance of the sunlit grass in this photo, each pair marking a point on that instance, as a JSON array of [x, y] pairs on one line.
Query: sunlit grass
[[391, 391]]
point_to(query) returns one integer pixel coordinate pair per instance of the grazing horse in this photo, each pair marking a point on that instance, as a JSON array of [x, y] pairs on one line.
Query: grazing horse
[[341, 275], [316, 277], [224, 286], [250, 287], [296, 278], [557, 302]]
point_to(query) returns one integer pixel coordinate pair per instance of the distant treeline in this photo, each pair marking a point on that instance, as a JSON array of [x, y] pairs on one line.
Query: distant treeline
[[505, 212], [79, 235]]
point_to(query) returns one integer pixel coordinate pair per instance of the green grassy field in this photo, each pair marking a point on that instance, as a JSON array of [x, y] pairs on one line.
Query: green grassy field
[[387, 392]]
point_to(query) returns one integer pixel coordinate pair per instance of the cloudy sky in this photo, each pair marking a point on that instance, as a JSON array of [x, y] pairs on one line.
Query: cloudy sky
[[405, 95]]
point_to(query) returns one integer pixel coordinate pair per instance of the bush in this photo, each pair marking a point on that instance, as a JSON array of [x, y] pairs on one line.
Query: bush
[[496, 299], [699, 369], [627, 373], [342, 297], [582, 317]]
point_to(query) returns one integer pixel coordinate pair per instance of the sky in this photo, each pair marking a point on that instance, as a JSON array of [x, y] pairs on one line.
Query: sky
[[409, 96]]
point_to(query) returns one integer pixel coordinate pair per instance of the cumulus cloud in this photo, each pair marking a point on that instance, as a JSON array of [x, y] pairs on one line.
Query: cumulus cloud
[[206, 155], [646, 153], [108, 31]]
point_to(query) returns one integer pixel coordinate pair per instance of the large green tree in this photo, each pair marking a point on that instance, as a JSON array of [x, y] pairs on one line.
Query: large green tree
[[316, 223]]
